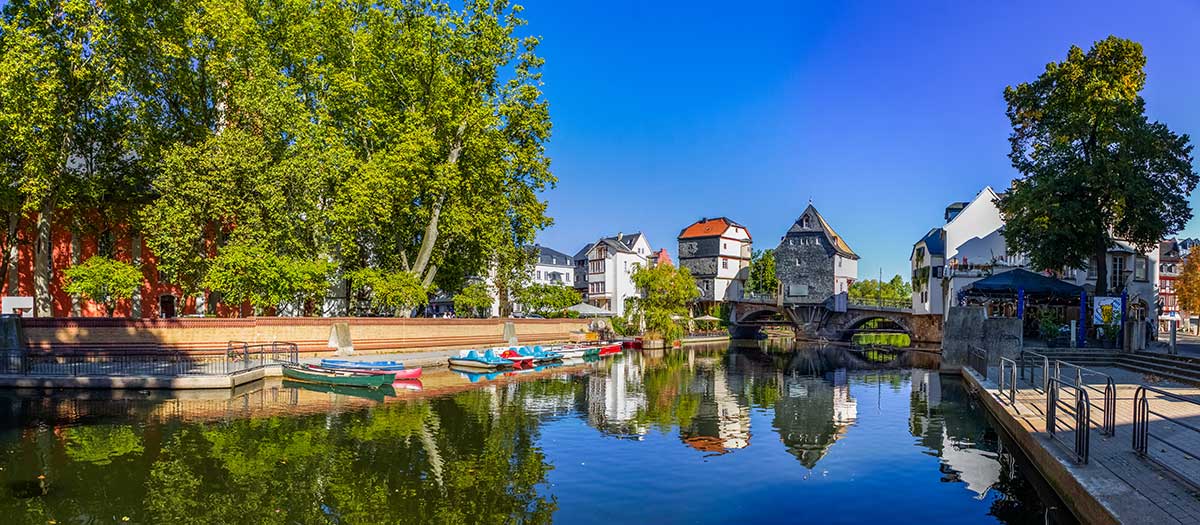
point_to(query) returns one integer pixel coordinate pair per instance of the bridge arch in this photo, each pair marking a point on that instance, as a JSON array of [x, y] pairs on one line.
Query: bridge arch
[[854, 322]]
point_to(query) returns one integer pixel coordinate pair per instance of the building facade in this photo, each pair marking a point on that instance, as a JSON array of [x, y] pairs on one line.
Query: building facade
[[813, 263], [1170, 266], [717, 253], [609, 264], [973, 246]]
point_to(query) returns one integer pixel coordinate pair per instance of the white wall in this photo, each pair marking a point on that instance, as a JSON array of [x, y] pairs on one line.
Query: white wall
[[974, 235]]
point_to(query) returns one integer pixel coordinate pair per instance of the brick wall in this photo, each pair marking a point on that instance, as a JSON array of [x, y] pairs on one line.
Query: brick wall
[[210, 335]]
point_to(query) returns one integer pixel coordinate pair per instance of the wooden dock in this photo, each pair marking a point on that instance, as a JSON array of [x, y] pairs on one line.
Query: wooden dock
[[1116, 484]]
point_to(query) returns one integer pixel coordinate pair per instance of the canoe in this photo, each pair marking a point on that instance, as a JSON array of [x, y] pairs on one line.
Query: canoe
[[330, 377], [410, 373], [374, 394], [355, 365]]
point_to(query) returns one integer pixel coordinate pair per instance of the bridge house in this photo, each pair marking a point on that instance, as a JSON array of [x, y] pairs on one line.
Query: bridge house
[[813, 262], [717, 253]]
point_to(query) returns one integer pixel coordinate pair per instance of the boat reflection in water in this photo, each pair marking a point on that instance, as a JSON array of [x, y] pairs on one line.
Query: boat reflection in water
[[700, 435]]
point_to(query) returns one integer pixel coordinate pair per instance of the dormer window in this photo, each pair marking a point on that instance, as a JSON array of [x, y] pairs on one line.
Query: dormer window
[[805, 222]]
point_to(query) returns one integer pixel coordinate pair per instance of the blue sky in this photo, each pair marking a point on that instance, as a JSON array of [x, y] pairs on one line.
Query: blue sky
[[881, 113]]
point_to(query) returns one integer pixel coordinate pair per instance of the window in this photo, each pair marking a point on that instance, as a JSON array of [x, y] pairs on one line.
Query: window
[[1092, 270], [539, 275], [804, 222], [920, 253], [797, 261], [724, 264], [1116, 272], [1141, 268], [724, 246], [839, 262], [596, 266]]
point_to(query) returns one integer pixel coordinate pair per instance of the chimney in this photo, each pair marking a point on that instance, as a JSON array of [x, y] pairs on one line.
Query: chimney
[[620, 236]]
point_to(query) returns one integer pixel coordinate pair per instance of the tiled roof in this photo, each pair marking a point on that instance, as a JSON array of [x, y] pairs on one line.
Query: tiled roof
[[709, 228]]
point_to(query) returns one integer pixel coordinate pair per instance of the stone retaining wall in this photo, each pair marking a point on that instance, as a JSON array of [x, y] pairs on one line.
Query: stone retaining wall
[[210, 335]]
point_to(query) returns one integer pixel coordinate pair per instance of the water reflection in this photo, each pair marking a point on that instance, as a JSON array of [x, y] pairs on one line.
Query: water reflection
[[485, 450]]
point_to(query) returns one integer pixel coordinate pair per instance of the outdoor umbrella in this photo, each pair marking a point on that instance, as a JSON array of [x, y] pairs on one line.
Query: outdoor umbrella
[[707, 318], [587, 310]]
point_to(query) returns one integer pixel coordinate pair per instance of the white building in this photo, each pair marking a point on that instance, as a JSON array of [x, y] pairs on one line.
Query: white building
[[553, 267], [609, 264], [971, 246], [717, 253]]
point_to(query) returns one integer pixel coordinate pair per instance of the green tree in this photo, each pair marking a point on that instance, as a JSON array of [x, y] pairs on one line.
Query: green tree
[[104, 281], [762, 278], [869, 290], [475, 300], [548, 299], [249, 273], [1093, 166], [391, 292], [666, 292]]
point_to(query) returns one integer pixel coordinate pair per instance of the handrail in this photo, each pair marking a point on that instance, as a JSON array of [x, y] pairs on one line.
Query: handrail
[[977, 358], [1141, 427], [1080, 413], [1045, 370], [1009, 366], [1109, 425]]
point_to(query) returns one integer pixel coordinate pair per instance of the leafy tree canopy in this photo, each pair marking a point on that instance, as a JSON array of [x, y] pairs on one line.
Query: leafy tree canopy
[[666, 292], [545, 299], [1093, 166], [868, 290], [474, 300], [103, 280], [762, 278]]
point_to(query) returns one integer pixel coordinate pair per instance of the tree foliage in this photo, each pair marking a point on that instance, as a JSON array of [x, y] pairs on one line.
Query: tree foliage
[[103, 280], [762, 278], [546, 299], [394, 136], [666, 293], [895, 289], [1187, 287], [250, 273], [395, 293], [1093, 166], [474, 300]]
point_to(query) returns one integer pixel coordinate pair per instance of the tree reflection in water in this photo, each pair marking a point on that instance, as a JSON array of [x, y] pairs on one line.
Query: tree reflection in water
[[472, 456]]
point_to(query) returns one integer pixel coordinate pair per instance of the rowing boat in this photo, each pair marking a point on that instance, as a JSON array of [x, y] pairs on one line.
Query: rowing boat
[[374, 394], [362, 365], [410, 373], [335, 377]]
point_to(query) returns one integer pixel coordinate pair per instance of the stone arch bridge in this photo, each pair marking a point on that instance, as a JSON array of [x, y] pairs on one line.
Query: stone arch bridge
[[819, 321]]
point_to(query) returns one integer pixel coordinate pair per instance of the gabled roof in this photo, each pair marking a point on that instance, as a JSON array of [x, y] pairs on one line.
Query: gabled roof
[[839, 244], [710, 228], [554, 257], [662, 257], [986, 192], [935, 242], [620, 242]]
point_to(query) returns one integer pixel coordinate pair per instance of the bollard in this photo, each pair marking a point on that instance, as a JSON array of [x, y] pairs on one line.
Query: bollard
[[1074, 340], [1174, 327]]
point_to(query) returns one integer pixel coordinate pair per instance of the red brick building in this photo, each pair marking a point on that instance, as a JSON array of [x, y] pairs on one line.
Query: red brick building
[[156, 299]]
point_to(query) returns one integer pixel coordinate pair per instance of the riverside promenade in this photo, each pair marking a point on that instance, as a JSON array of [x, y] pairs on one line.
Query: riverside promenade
[[1102, 478]]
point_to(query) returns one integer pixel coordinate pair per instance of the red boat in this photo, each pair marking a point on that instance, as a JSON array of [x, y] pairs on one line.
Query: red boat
[[519, 361], [610, 349]]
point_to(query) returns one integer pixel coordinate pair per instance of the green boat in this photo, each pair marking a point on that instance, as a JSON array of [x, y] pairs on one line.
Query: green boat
[[337, 378]]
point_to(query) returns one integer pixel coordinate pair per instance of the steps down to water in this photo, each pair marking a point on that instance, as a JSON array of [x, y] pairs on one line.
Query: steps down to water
[[1176, 368]]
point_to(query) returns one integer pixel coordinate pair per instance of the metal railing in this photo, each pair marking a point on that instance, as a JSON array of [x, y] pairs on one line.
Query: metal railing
[[877, 302], [1079, 414], [1142, 434], [1027, 364], [977, 358], [238, 357], [1108, 426], [1008, 379]]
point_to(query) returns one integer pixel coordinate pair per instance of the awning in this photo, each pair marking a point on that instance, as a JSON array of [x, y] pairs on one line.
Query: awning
[[1008, 283], [587, 310]]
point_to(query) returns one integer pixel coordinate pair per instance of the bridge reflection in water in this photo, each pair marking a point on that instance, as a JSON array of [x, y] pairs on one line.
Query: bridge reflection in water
[[651, 429]]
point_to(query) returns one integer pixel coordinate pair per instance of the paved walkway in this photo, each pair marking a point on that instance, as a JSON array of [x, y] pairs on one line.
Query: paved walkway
[[1134, 489]]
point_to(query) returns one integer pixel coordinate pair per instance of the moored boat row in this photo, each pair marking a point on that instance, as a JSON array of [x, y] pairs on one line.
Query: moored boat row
[[525, 357]]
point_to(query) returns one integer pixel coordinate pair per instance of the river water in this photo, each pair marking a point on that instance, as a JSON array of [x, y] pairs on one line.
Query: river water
[[764, 434]]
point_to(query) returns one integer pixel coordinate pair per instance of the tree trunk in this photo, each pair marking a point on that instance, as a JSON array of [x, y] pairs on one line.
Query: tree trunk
[[76, 259], [42, 260], [135, 256], [14, 276], [1101, 262]]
